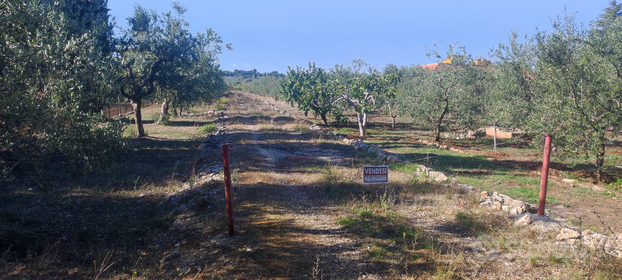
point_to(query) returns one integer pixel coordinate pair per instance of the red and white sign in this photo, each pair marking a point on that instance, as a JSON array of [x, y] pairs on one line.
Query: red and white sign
[[375, 174]]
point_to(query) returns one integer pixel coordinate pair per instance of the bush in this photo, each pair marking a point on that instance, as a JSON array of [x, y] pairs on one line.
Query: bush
[[207, 128]]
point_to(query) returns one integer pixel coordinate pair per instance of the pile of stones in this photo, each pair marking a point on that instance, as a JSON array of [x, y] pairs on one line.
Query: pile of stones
[[505, 203]]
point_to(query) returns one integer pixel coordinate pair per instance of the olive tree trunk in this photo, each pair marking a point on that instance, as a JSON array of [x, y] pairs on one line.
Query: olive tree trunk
[[163, 110], [136, 105]]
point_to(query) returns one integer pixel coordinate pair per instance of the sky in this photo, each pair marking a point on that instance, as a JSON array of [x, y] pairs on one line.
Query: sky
[[271, 35]]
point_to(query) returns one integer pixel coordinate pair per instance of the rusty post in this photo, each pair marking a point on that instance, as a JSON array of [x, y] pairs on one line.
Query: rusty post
[[228, 196], [545, 173]]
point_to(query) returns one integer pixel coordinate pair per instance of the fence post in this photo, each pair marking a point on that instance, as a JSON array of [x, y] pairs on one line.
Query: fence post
[[494, 124], [228, 196], [545, 173]]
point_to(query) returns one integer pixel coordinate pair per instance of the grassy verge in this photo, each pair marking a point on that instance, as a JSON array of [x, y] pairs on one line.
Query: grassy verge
[[111, 223]]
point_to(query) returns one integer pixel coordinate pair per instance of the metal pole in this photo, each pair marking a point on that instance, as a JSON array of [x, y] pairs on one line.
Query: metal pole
[[228, 196], [495, 135], [545, 173]]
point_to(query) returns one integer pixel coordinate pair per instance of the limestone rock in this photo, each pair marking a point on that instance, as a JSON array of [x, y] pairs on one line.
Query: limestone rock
[[422, 170], [315, 127], [497, 197], [594, 241], [486, 202], [437, 176], [524, 221], [544, 224], [568, 233], [613, 247]]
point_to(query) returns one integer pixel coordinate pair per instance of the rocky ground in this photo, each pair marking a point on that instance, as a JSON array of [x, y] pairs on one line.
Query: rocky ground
[[290, 226], [300, 210]]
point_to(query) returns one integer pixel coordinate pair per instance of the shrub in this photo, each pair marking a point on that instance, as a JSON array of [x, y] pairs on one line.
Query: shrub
[[207, 128]]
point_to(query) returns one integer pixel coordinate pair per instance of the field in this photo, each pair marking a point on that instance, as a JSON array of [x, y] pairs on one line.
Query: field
[[301, 211]]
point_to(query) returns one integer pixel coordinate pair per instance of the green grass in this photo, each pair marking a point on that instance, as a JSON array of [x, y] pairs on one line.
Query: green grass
[[207, 128], [155, 117], [377, 251], [304, 129]]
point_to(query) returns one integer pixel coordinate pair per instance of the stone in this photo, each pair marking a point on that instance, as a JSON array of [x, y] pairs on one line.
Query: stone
[[513, 202], [486, 202], [592, 240], [181, 209], [315, 127], [437, 176], [393, 159], [484, 194], [507, 200], [568, 233], [613, 247], [361, 146], [544, 224], [598, 188], [569, 181], [524, 221], [531, 208], [521, 210], [497, 197], [505, 208]]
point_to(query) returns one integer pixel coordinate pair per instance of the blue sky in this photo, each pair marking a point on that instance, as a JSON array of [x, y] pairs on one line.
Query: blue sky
[[270, 35]]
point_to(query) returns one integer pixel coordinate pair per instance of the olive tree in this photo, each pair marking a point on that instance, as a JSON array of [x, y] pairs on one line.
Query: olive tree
[[431, 95], [365, 95], [578, 82], [155, 43], [53, 85], [310, 90], [194, 80], [510, 98]]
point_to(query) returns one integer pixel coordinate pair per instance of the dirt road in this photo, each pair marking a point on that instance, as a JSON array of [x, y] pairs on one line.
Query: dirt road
[[301, 213]]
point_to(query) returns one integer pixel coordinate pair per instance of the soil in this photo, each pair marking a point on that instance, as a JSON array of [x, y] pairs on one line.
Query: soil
[[309, 220], [301, 213]]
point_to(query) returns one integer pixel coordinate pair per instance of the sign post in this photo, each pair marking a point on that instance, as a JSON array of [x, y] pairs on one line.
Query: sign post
[[376, 174], [228, 196], [545, 173]]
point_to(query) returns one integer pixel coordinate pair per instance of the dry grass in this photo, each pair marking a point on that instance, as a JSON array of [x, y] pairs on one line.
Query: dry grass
[[300, 209]]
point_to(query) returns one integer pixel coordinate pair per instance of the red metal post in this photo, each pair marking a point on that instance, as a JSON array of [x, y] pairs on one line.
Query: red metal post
[[545, 173], [228, 196]]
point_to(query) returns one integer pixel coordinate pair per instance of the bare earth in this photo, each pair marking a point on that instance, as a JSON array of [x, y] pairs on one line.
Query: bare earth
[[290, 225]]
